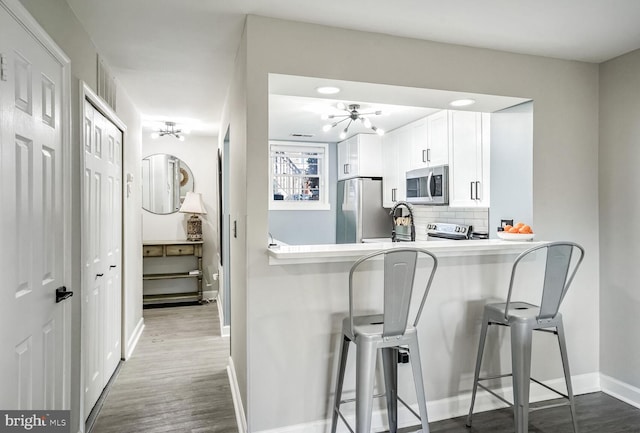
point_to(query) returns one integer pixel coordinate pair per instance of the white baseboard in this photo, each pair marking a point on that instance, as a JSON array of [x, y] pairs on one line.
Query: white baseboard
[[620, 390], [450, 407], [134, 338], [225, 331], [241, 419]]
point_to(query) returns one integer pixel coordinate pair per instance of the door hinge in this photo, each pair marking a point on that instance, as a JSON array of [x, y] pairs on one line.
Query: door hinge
[[3, 68]]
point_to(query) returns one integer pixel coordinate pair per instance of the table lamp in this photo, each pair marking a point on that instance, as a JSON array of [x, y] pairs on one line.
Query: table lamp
[[193, 204]]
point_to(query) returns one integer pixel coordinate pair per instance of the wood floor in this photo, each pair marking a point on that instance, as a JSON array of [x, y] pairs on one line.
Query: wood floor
[[597, 413], [176, 380]]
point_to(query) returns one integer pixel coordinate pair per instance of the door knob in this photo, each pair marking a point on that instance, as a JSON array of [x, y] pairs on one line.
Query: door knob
[[62, 293]]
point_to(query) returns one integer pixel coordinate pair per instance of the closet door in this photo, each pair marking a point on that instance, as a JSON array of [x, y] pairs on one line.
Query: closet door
[[102, 295]]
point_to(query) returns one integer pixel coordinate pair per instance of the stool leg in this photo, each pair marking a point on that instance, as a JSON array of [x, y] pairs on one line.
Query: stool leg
[[416, 366], [521, 337], [365, 377], [567, 374], [476, 376], [390, 364], [342, 363]]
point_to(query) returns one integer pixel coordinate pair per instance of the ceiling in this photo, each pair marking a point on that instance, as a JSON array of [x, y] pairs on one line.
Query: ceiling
[[175, 58]]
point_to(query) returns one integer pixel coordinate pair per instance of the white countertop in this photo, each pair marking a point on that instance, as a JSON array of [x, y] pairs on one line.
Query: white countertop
[[299, 254]]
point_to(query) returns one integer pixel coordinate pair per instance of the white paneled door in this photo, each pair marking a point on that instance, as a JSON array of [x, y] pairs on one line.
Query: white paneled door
[[102, 217], [34, 328]]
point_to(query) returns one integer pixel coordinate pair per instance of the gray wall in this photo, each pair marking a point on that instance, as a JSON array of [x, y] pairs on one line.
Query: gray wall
[[565, 147], [619, 162], [309, 227], [511, 166]]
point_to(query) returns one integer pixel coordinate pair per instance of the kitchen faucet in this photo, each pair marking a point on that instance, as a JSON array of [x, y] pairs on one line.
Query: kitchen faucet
[[393, 219]]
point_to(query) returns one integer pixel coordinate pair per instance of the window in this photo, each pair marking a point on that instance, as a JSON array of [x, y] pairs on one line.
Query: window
[[299, 173]]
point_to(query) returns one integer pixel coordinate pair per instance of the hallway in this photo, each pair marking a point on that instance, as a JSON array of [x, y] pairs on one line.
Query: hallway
[[176, 380]]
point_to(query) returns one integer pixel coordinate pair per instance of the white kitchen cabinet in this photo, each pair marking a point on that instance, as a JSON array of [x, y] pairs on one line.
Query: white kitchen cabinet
[[438, 138], [430, 140], [395, 157], [360, 156], [468, 159]]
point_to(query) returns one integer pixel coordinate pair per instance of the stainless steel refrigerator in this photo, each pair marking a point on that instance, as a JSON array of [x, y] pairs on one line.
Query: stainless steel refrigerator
[[360, 212]]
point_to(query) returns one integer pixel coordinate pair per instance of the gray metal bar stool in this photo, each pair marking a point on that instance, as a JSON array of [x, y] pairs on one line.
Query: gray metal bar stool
[[524, 318], [387, 332]]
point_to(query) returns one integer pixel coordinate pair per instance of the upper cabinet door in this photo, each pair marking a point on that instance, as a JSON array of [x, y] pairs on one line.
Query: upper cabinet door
[[438, 138], [429, 140], [468, 169], [360, 156]]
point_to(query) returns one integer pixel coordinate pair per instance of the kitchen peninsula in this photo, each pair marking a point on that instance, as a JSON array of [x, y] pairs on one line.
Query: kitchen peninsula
[[310, 286]]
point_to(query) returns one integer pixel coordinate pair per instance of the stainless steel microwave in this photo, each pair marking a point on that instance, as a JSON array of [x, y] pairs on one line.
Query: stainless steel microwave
[[429, 185]]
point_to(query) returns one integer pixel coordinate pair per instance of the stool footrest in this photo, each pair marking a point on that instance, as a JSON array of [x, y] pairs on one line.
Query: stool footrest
[[495, 394], [351, 400], [549, 406]]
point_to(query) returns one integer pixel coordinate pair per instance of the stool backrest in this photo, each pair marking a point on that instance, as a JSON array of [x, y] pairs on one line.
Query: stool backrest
[[399, 278], [558, 275]]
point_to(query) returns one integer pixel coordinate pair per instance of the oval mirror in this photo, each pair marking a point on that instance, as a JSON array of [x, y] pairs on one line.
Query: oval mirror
[[166, 180]]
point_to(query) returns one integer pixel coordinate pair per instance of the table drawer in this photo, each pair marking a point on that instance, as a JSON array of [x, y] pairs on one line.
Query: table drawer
[[180, 250], [152, 251]]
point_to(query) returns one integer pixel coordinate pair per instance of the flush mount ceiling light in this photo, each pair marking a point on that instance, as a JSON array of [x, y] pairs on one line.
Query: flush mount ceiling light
[[352, 116], [169, 129], [462, 102], [328, 90]]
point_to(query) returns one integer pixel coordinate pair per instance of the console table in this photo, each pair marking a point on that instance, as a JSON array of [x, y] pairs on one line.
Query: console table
[[168, 250]]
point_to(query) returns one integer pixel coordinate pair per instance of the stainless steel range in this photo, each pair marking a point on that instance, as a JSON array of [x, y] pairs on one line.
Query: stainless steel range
[[446, 231]]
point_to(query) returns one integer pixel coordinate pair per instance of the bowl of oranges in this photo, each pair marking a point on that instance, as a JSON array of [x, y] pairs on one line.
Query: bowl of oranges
[[517, 232]]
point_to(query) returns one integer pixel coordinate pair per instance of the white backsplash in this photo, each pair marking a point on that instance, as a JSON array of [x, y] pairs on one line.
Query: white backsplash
[[478, 218]]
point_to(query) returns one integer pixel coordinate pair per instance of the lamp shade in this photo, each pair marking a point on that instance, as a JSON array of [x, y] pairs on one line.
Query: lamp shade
[[192, 204]]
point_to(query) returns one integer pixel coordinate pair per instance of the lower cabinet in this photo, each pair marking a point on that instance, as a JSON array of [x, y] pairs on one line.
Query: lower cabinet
[[171, 260]]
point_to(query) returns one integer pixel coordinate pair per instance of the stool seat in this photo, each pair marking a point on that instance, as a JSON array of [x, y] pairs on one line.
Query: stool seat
[[370, 327], [517, 312], [523, 319], [385, 333]]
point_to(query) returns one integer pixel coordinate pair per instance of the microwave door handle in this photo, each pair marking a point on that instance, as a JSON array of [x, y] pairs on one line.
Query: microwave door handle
[[429, 180]]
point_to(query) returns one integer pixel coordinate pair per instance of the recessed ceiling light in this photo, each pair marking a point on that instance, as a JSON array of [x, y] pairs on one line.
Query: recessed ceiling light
[[462, 102], [328, 90]]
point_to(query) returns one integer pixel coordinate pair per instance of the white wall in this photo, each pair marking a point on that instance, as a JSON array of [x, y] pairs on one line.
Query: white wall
[[564, 161], [200, 153], [511, 166], [61, 24], [619, 159]]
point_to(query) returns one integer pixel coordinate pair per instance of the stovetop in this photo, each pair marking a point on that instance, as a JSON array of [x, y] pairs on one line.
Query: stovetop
[[449, 231]]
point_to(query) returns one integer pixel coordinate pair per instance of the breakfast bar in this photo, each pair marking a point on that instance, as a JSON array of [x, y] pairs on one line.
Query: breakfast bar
[[308, 299]]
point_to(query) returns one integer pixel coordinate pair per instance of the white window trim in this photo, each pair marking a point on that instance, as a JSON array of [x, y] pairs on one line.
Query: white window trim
[[324, 179]]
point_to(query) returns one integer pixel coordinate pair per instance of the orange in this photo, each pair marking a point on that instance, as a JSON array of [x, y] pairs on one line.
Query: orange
[[513, 230], [507, 227], [525, 229], [519, 225]]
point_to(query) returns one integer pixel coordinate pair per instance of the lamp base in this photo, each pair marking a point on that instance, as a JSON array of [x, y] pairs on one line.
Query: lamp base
[[194, 228]]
